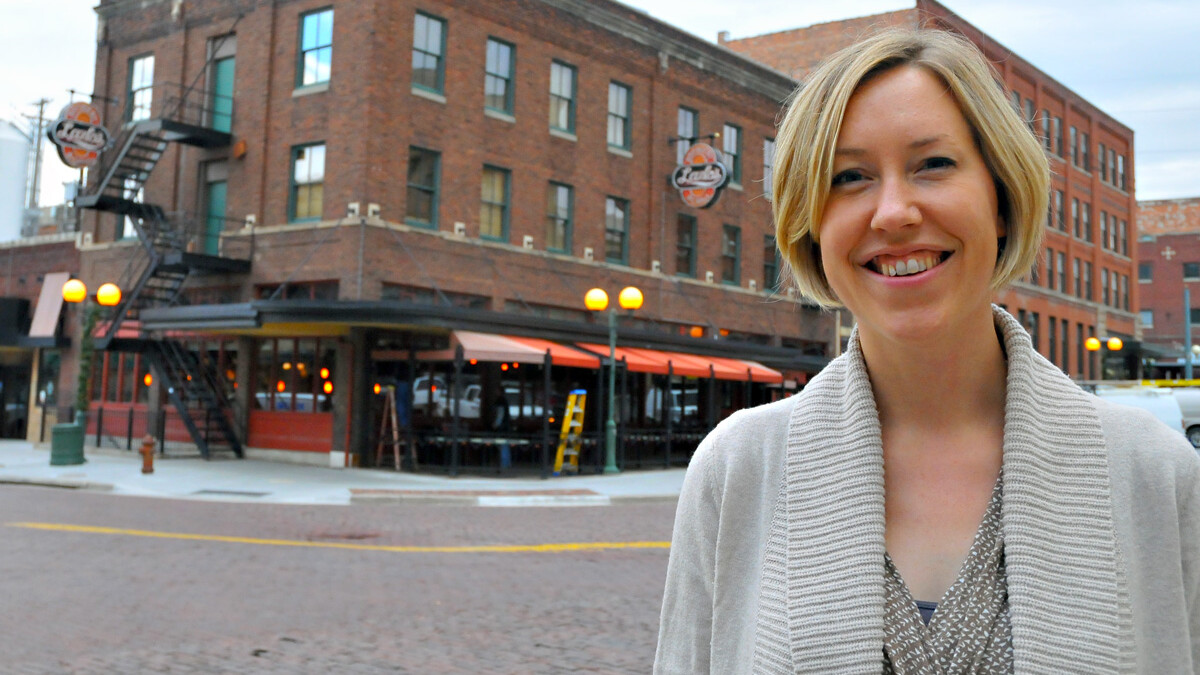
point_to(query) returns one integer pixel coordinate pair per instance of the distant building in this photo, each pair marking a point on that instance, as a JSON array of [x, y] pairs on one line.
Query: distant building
[[1169, 262], [1082, 287]]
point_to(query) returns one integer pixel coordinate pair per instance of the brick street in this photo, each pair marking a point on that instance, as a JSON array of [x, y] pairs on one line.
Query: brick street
[[84, 602]]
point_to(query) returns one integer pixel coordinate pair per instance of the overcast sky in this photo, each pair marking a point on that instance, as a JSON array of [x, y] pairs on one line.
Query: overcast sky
[[1138, 60]]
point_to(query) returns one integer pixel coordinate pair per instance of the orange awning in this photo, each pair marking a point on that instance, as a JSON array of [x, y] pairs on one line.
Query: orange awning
[[560, 355], [640, 360], [49, 305], [491, 348]]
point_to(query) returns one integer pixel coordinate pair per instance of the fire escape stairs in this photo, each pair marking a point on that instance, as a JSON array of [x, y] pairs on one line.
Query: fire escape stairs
[[156, 275]]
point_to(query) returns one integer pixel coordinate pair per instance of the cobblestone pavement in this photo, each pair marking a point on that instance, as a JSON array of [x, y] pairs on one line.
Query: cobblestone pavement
[[79, 602]]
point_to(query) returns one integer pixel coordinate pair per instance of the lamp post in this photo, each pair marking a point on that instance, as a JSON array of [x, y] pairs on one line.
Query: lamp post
[[596, 300], [1113, 343], [66, 439]]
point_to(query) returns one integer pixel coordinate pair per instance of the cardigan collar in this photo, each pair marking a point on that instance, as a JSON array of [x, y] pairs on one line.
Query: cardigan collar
[[1067, 598]]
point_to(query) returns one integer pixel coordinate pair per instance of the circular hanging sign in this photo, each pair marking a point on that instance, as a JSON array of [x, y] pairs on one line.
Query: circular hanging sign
[[701, 176], [78, 135]]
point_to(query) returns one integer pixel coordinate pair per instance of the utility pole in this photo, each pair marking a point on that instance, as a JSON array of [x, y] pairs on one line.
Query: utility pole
[[35, 184]]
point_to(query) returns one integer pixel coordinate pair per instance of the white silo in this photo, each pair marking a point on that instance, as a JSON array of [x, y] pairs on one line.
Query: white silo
[[14, 166]]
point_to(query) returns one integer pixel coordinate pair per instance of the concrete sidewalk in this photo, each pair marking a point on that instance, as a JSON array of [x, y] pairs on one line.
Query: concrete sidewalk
[[252, 480]]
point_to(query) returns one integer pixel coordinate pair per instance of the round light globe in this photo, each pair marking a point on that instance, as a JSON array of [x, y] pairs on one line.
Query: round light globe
[[1092, 344], [74, 291], [108, 295], [596, 300], [630, 298], [1115, 344]]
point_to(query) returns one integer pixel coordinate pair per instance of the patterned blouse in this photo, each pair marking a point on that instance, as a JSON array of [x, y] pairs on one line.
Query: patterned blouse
[[970, 632]]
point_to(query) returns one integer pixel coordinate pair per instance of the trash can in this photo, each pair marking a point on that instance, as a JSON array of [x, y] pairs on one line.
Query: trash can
[[66, 444]]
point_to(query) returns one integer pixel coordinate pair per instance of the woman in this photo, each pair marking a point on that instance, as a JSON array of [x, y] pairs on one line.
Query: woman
[[940, 498]]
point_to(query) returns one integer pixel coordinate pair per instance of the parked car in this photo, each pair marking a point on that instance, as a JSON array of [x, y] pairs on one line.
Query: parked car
[[681, 403], [1158, 401], [1189, 403]]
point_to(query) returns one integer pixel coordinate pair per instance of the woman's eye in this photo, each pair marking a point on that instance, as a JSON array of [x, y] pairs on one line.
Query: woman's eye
[[848, 176], [938, 163]]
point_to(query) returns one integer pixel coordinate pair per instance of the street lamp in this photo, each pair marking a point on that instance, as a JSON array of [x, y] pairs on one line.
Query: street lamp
[[1113, 343], [596, 300]]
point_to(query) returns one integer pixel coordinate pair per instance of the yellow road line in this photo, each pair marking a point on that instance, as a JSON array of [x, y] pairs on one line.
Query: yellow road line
[[516, 548]]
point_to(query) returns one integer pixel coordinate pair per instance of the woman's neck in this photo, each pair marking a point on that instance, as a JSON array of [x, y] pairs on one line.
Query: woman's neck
[[947, 381]]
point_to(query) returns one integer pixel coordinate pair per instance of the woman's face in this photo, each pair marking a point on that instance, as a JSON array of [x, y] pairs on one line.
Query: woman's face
[[909, 231]]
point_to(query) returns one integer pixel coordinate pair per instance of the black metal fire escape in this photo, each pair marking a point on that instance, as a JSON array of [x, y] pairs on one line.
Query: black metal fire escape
[[160, 267]]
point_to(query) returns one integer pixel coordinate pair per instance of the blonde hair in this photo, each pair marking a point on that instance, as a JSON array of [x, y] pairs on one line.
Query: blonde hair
[[808, 136]]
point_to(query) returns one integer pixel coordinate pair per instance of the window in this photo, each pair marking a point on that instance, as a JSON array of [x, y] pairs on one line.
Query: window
[[1073, 145], [685, 129], [429, 44], [1016, 100], [1035, 325], [618, 115], [616, 228], [1194, 315], [1059, 214], [1046, 141], [1087, 222], [1050, 269], [1087, 280], [1147, 318], [1112, 166], [1116, 299], [1145, 271], [1052, 326], [1104, 229], [1080, 352], [1066, 345], [1062, 271], [498, 76], [1057, 131], [493, 204], [308, 182], [562, 97], [768, 166], [287, 374], [560, 211], [1123, 239], [423, 177], [1085, 149], [1078, 281], [1191, 271], [141, 92], [731, 144], [1125, 292], [731, 254], [1104, 286], [1075, 217], [1121, 171], [771, 263], [1101, 155], [685, 245], [1030, 114], [316, 48]]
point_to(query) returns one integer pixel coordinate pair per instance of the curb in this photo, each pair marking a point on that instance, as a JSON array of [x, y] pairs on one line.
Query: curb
[[502, 498], [65, 483]]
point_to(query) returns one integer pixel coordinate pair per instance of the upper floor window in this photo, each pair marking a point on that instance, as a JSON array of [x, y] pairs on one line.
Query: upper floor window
[[616, 230], [1120, 180], [1073, 145], [1059, 214], [618, 115], [1147, 318], [731, 145], [493, 207], [1075, 217], [1145, 271], [423, 180], [308, 182], [1056, 130], [1191, 271], [562, 97], [731, 254], [685, 245], [316, 47], [687, 122], [429, 47], [1085, 150], [771, 263], [498, 80], [1101, 157], [560, 207], [141, 83], [768, 166]]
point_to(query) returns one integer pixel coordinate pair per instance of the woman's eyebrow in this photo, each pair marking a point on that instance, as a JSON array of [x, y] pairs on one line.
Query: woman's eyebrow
[[915, 145]]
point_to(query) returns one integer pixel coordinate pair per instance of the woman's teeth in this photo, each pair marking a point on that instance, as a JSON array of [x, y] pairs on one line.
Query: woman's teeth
[[913, 265]]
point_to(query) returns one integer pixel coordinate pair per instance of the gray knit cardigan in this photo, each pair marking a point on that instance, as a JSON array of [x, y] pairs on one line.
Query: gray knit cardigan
[[777, 555]]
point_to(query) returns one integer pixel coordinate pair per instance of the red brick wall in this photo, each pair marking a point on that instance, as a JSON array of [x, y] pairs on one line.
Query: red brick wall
[[1169, 216]]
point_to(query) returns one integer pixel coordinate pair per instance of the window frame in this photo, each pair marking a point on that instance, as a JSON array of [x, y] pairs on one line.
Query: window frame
[[294, 185], [301, 51], [440, 56], [735, 171], [772, 263], [557, 97], [624, 204], [505, 205], [690, 247], [1196, 268], [434, 191], [736, 256], [768, 168], [568, 223], [508, 79], [682, 143], [132, 92], [1145, 271], [1142, 314], [624, 119]]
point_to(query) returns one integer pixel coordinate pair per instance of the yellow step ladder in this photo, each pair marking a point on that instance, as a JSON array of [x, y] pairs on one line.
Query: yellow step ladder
[[571, 438]]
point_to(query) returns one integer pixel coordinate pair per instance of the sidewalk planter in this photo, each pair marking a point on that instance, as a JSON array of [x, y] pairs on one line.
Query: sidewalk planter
[[66, 444]]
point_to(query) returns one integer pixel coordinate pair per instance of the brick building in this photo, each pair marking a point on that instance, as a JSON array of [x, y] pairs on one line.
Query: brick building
[[1169, 262], [307, 200], [1082, 286]]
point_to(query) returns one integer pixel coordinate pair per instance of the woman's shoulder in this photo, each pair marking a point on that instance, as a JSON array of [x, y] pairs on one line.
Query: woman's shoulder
[[1145, 450], [746, 442]]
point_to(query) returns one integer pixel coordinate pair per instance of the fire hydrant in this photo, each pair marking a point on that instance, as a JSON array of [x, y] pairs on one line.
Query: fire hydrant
[[147, 454]]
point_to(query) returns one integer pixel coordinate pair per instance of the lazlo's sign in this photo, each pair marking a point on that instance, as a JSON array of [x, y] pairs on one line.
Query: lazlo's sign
[[700, 177], [78, 135]]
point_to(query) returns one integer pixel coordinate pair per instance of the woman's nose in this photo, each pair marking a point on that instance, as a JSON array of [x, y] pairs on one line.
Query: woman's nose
[[896, 207]]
